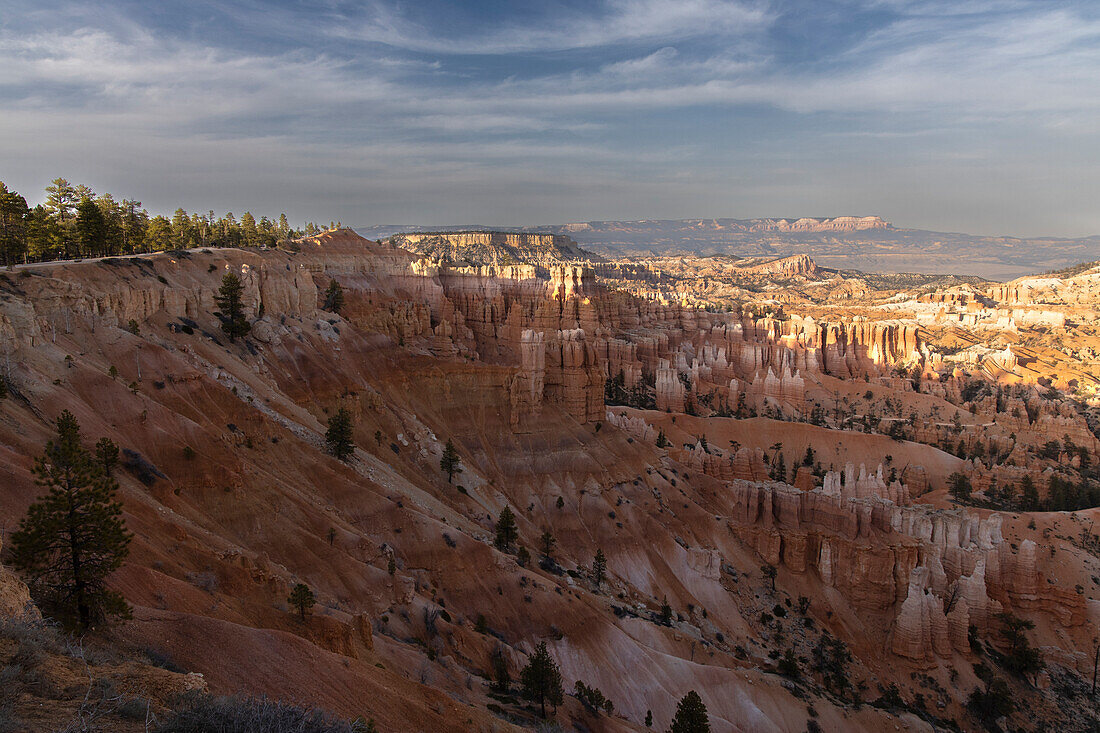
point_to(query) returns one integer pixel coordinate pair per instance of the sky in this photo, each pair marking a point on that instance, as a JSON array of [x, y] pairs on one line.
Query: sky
[[980, 116]]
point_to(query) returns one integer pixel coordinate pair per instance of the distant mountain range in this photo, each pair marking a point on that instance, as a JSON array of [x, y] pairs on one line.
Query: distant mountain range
[[866, 243]]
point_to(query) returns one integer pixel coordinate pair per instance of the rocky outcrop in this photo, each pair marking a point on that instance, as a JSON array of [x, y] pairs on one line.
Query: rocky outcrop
[[849, 485], [492, 248], [921, 631], [785, 267], [670, 391]]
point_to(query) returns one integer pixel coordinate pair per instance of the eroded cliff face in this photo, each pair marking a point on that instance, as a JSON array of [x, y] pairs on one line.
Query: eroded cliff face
[[512, 365], [493, 248]]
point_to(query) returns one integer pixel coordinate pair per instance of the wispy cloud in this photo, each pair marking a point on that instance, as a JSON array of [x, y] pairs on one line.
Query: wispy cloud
[[616, 22]]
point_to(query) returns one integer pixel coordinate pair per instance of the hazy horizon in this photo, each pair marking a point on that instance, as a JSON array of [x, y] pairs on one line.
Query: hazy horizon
[[975, 117]]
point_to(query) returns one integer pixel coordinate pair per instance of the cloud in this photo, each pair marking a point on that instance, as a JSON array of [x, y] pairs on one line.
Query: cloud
[[616, 22], [627, 98]]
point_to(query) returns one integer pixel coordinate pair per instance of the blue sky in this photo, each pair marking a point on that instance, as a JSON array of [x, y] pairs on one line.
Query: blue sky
[[976, 116]]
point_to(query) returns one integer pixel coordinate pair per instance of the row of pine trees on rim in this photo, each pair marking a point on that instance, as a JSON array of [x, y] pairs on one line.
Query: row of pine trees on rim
[[73, 222]]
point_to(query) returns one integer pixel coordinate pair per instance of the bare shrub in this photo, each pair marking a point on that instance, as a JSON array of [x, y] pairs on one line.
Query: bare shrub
[[200, 713]]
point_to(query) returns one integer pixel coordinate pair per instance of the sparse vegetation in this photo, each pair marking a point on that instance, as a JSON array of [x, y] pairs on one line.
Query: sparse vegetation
[[992, 703], [592, 698], [339, 436], [203, 713]]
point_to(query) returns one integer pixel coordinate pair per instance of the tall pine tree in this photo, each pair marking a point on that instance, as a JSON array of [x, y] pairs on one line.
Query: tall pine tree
[[13, 229], [231, 311], [334, 297], [450, 463], [542, 679], [338, 437], [506, 532], [91, 229], [73, 537]]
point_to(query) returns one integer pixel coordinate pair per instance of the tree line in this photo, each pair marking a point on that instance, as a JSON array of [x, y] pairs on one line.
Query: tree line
[[74, 222]]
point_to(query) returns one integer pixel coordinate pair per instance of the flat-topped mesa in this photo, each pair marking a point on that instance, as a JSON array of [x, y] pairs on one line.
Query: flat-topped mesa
[[778, 225], [493, 248], [835, 224]]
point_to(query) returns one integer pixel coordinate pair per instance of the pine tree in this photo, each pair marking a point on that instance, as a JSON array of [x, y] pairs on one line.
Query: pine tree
[[959, 486], [506, 532], [158, 234], [662, 440], [1021, 658], [1030, 494], [599, 568], [338, 437], [74, 536], [334, 297], [541, 679], [231, 312], [106, 452], [546, 542], [523, 557], [181, 229], [249, 234], [450, 462], [780, 469], [91, 229], [691, 715], [302, 598], [13, 225]]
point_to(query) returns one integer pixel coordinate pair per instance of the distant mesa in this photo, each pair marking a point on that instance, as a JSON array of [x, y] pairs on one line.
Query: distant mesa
[[748, 226], [493, 248]]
